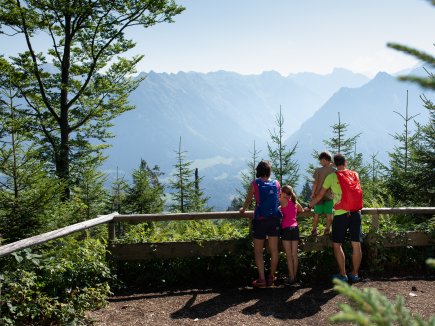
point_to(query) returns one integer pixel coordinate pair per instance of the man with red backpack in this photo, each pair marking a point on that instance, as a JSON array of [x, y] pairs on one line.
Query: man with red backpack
[[348, 202]]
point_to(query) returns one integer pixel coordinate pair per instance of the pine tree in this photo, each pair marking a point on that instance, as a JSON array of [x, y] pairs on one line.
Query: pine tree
[[199, 200], [305, 195], [146, 194], [80, 83], [247, 177], [422, 168], [340, 143], [26, 189], [188, 195], [118, 194], [421, 149], [285, 168], [398, 179], [90, 186]]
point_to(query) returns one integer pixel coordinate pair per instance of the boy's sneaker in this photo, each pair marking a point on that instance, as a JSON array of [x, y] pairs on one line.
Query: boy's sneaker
[[353, 278], [340, 277]]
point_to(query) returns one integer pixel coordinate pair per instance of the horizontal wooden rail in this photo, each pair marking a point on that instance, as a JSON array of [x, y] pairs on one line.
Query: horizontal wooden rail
[[165, 250], [248, 214], [309, 244], [45, 237]]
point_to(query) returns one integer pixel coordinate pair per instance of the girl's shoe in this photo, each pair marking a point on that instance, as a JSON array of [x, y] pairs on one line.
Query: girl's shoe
[[327, 232], [314, 232], [259, 283]]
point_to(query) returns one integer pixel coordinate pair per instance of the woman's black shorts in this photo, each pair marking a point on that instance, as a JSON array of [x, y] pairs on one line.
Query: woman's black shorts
[[265, 227]]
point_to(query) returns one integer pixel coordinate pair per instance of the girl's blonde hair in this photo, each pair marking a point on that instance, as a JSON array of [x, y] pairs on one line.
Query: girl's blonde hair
[[288, 190]]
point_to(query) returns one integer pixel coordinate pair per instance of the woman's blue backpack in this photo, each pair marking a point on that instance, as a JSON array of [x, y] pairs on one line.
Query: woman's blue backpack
[[268, 205]]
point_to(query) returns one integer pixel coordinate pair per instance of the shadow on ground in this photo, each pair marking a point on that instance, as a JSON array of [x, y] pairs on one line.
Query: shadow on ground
[[275, 302]]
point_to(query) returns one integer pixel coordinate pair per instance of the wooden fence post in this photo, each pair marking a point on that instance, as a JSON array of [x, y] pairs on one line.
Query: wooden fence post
[[112, 234], [373, 238], [375, 222]]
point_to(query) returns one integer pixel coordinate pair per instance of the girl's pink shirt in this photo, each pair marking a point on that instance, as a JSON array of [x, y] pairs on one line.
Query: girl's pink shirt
[[289, 214]]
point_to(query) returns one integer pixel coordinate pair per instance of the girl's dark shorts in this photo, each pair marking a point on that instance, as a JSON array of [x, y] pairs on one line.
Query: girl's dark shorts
[[265, 227], [341, 223], [290, 233]]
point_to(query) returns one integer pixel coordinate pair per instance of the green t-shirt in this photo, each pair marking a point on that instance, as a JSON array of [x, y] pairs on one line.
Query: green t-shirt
[[331, 182]]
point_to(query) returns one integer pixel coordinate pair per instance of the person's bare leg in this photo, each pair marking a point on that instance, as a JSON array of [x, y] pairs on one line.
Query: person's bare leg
[[315, 222], [286, 244], [339, 257], [259, 259], [274, 254], [356, 257], [328, 223], [294, 256]]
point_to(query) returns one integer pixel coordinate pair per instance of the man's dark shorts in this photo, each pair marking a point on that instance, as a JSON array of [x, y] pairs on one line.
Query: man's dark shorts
[[341, 223], [265, 227], [290, 233]]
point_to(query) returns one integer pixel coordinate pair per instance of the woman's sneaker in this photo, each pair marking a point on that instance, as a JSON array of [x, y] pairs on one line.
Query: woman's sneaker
[[340, 277], [353, 278]]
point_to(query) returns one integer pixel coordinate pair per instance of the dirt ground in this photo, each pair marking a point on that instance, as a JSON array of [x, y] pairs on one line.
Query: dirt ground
[[279, 305]]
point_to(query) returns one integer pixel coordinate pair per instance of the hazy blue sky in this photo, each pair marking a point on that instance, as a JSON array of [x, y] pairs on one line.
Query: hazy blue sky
[[289, 36], [251, 36]]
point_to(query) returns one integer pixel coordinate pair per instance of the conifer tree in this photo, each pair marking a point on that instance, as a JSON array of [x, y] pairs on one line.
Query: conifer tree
[[285, 168], [146, 194], [187, 195], [340, 143], [118, 194], [26, 189], [305, 195], [246, 178], [91, 191], [80, 83], [423, 160], [398, 179], [420, 175]]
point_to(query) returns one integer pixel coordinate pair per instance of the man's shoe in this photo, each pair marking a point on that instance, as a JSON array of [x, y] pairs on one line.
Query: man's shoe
[[353, 278], [340, 277]]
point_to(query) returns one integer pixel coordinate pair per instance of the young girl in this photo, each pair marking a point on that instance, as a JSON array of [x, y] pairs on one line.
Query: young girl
[[289, 229], [266, 220]]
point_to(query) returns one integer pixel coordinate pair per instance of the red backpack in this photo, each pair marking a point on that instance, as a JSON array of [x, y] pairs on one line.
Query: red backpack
[[351, 193]]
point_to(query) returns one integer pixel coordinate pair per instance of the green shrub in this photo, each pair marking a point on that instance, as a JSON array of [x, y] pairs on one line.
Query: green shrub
[[57, 286], [369, 307]]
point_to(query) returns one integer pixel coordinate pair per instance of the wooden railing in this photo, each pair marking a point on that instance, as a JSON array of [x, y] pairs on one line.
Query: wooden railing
[[215, 247]]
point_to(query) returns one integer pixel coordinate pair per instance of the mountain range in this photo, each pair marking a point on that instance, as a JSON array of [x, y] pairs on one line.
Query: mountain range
[[219, 116]]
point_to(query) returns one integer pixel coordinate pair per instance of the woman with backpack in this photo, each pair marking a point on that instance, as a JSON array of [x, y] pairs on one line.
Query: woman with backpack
[[266, 220]]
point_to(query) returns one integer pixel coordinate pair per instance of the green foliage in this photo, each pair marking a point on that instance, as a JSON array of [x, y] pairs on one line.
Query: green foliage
[[422, 152], [169, 231], [145, 195], [80, 83], [118, 194], [247, 177], [26, 188], [56, 286], [188, 195], [285, 168], [369, 307], [305, 195]]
